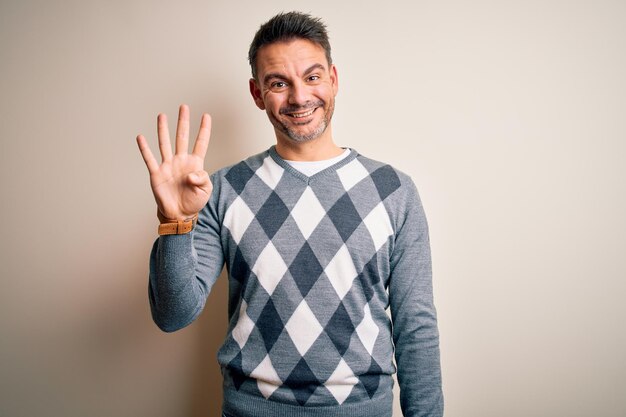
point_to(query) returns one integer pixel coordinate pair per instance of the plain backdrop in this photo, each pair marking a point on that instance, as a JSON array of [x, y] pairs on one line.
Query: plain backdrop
[[509, 115]]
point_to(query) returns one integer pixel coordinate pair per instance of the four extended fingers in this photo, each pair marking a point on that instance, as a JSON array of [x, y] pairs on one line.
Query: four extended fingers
[[182, 139]]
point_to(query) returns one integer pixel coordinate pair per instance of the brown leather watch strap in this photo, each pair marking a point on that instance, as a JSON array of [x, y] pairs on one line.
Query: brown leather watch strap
[[179, 227]]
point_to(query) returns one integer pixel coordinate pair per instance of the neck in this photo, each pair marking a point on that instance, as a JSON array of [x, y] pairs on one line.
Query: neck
[[317, 149]]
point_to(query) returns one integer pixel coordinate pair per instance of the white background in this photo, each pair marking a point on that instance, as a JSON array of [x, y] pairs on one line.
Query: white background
[[509, 115]]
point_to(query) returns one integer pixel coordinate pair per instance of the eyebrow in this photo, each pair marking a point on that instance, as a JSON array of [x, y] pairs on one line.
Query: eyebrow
[[280, 76], [314, 67]]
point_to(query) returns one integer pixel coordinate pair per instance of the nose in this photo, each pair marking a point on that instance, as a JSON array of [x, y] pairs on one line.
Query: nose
[[298, 94]]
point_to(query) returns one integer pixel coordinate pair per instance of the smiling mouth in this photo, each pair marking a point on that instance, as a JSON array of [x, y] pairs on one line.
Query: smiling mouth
[[302, 114]]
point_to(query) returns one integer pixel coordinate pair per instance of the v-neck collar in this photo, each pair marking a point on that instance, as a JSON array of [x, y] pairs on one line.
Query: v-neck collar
[[303, 177]]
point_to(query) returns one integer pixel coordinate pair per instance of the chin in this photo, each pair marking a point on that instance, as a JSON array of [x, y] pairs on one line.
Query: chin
[[301, 137]]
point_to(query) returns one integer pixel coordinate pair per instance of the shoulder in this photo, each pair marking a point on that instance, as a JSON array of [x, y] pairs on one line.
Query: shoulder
[[251, 163], [237, 175], [389, 180], [396, 190]]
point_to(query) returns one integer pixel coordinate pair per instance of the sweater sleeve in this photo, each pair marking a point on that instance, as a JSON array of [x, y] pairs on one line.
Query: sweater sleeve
[[183, 269], [414, 318]]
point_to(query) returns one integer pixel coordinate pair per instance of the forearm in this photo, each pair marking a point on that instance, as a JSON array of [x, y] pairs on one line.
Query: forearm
[[419, 371], [416, 338], [183, 269], [176, 295]]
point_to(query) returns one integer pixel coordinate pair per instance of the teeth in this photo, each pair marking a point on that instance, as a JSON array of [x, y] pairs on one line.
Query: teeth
[[305, 114]]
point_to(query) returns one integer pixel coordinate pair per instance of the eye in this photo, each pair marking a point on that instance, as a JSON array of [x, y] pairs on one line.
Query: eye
[[277, 85], [314, 77]]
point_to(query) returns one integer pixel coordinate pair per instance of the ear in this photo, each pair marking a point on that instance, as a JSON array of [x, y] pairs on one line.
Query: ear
[[257, 96], [334, 79]]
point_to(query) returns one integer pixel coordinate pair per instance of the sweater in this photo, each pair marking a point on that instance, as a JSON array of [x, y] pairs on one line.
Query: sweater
[[313, 265]]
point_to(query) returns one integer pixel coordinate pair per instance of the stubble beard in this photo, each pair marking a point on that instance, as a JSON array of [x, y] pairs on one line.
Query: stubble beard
[[293, 134]]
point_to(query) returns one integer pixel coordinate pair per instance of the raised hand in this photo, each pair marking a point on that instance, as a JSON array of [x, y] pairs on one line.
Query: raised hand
[[180, 185]]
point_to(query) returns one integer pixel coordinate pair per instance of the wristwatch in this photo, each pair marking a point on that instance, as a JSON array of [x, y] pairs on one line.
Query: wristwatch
[[179, 227]]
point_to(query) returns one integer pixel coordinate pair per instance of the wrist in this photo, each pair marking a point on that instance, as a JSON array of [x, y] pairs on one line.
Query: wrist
[[176, 227], [174, 219]]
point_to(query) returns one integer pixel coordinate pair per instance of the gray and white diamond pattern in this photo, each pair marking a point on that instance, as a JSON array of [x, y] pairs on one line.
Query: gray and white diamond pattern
[[269, 268], [244, 326], [303, 328], [335, 270], [308, 212], [237, 218]]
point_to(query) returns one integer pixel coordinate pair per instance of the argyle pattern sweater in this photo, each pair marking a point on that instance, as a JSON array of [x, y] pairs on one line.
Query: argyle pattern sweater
[[313, 264]]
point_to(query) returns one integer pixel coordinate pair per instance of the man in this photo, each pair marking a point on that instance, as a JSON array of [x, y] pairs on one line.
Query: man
[[318, 242]]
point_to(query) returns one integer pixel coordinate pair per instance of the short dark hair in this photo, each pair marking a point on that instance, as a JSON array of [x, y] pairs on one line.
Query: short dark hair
[[288, 26]]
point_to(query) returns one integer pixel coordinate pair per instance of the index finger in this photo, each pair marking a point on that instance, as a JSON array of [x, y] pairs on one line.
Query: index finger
[[204, 136]]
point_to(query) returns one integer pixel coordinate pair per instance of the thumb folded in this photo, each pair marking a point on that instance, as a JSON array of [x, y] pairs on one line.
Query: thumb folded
[[198, 178]]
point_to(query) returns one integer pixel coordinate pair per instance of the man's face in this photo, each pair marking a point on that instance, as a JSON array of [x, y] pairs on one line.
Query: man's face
[[296, 87]]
